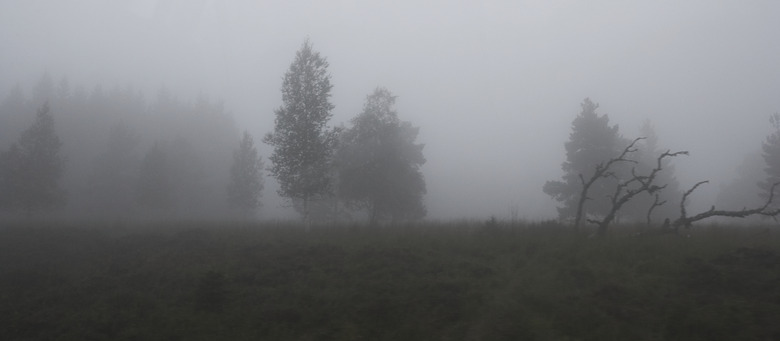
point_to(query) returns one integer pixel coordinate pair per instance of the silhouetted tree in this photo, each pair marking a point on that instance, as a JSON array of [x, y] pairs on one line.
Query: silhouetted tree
[[628, 190], [31, 168], [246, 182], [154, 190], [592, 142], [379, 162], [303, 146]]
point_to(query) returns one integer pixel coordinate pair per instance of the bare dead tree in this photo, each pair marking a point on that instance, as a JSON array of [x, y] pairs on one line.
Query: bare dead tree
[[627, 190], [656, 203], [687, 222], [602, 171]]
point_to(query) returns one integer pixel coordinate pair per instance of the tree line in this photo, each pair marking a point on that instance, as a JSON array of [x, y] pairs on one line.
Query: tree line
[[111, 154]]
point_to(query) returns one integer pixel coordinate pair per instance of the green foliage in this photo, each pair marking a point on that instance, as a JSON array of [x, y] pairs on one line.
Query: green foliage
[[301, 160], [379, 162], [427, 281]]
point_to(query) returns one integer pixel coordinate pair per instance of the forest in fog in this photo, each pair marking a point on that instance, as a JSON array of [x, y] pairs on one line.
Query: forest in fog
[[107, 136], [483, 101], [111, 155], [389, 170]]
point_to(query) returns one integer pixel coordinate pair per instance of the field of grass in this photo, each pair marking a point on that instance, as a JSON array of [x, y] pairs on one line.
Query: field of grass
[[455, 281]]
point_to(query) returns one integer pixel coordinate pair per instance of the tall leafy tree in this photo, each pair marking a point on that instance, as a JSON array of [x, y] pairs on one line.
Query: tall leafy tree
[[379, 162], [246, 182], [303, 145], [592, 141], [31, 168]]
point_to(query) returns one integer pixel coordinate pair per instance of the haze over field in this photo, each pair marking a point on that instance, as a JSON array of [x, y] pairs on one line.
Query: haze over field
[[492, 85]]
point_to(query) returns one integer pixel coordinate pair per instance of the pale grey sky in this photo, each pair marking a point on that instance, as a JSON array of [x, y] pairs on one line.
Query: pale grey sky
[[493, 85]]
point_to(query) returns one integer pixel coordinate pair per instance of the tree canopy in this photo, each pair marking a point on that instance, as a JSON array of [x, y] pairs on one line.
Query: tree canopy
[[592, 141], [379, 162], [303, 145]]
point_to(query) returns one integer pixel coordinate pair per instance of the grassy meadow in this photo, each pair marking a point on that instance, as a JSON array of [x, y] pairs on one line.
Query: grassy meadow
[[431, 281]]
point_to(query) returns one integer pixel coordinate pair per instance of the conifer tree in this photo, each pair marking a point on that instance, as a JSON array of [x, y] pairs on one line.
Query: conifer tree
[[31, 169], [591, 142]]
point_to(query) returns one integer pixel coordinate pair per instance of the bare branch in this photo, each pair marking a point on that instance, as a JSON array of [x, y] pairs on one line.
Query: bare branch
[[683, 214], [646, 185], [656, 203], [602, 171], [712, 212]]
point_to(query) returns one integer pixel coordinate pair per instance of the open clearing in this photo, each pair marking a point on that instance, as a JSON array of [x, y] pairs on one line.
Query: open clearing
[[454, 281]]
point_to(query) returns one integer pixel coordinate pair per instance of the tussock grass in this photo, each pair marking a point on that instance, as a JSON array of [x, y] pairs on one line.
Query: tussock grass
[[432, 281]]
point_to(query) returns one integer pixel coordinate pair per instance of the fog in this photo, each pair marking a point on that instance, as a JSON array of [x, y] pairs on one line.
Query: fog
[[493, 85]]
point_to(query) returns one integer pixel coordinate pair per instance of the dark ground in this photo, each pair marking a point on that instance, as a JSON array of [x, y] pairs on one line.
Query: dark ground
[[458, 281]]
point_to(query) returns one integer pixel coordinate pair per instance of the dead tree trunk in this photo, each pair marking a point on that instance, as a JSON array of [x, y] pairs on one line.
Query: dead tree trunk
[[656, 203], [602, 171], [624, 191], [687, 222]]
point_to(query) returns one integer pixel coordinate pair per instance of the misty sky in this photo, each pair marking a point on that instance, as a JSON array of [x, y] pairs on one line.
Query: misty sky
[[493, 85]]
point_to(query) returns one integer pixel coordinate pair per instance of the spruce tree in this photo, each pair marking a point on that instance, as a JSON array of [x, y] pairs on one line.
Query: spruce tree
[[592, 141], [32, 167]]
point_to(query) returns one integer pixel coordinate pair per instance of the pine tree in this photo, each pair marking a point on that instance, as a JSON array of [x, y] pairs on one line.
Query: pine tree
[[246, 182], [32, 167], [591, 142], [303, 146], [379, 161]]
